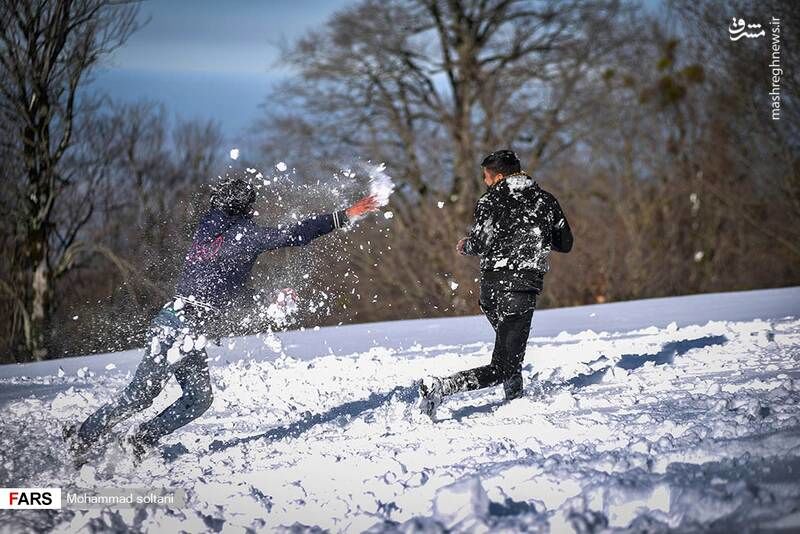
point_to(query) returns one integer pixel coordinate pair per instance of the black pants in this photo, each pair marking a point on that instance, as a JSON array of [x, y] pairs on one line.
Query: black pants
[[510, 314]]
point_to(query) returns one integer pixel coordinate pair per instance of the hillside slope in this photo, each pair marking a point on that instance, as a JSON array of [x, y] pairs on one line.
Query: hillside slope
[[678, 413]]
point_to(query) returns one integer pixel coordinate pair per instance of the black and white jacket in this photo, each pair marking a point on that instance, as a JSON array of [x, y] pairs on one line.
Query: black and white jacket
[[517, 224]]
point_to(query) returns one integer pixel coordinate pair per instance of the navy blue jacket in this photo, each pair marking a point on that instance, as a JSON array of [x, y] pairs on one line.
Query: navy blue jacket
[[225, 248]]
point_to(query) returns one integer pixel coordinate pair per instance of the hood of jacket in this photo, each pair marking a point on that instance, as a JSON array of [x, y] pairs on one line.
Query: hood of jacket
[[519, 186]]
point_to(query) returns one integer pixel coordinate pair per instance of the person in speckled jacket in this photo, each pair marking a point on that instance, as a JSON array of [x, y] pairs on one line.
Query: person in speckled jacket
[[517, 224], [216, 269]]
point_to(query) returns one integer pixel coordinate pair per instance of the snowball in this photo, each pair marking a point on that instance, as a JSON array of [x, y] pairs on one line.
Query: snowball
[[281, 166], [388, 215], [440, 204], [285, 306], [234, 153], [453, 285], [381, 185]]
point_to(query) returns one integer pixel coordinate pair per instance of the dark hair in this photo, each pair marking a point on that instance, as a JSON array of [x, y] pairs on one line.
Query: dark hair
[[233, 195], [503, 162]]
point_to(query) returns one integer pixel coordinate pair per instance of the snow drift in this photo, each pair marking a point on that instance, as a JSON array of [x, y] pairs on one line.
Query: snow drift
[[668, 413]]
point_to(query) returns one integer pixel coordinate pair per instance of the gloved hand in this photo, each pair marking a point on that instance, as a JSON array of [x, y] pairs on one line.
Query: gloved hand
[[361, 207]]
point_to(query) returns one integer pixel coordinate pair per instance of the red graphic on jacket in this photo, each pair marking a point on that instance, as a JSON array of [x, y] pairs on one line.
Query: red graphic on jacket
[[205, 251]]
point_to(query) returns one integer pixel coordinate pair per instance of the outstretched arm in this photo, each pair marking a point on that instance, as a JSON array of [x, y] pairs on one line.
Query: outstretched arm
[[305, 231]]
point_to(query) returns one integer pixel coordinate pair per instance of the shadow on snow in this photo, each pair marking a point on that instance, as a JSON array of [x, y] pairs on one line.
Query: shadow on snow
[[344, 413], [666, 356]]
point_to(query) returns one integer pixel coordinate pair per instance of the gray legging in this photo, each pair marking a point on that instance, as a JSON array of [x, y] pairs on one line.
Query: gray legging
[[169, 352]]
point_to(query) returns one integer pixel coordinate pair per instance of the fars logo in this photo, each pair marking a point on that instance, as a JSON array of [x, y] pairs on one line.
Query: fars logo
[[30, 498]]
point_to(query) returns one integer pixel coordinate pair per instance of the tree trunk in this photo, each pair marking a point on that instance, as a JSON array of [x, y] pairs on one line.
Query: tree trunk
[[40, 305]]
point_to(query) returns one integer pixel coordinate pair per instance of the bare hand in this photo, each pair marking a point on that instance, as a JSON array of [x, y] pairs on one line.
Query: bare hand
[[460, 245], [365, 205]]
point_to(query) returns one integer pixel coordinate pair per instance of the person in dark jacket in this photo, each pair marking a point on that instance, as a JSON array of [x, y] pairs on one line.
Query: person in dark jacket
[[517, 224], [216, 268]]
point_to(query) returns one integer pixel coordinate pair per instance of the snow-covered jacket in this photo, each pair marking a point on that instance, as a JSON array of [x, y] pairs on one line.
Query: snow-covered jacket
[[517, 224], [225, 248]]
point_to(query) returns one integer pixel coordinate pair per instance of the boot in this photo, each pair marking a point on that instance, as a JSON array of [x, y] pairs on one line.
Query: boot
[[140, 445], [513, 387], [76, 445], [431, 394]]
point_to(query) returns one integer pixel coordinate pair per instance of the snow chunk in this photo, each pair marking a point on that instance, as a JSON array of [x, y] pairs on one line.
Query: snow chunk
[[173, 355], [381, 185], [234, 153], [285, 306], [462, 505], [501, 263], [281, 166], [155, 345], [388, 215], [518, 182]]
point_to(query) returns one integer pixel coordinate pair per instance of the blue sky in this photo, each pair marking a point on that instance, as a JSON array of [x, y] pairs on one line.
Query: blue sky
[[210, 58]]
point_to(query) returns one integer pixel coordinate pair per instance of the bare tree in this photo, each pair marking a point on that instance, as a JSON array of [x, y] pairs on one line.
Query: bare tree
[[144, 216], [430, 85], [47, 48]]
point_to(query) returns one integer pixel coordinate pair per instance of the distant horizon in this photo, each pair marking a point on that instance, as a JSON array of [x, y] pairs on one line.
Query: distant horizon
[[205, 60]]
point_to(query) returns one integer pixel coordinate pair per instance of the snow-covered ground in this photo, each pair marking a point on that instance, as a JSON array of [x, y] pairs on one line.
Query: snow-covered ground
[[665, 413]]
